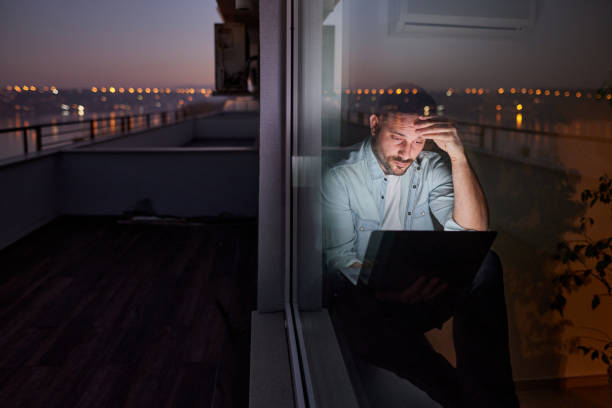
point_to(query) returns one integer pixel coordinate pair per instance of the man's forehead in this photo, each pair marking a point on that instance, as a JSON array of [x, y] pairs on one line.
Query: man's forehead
[[401, 122]]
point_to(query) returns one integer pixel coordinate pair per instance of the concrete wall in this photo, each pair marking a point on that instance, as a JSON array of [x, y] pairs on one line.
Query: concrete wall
[[28, 197], [228, 125], [180, 183], [167, 136]]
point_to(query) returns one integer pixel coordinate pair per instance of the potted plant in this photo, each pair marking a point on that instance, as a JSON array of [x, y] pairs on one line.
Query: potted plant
[[587, 261]]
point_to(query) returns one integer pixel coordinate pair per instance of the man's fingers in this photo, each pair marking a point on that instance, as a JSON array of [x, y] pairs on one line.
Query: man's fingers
[[430, 287], [419, 127], [414, 289], [441, 287]]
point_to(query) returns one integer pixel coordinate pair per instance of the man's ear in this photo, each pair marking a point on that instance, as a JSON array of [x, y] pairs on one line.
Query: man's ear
[[374, 123]]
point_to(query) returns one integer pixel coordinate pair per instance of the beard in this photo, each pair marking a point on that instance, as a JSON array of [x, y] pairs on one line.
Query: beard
[[387, 162]]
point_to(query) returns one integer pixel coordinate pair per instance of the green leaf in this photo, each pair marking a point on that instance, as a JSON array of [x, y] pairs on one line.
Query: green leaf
[[595, 301]]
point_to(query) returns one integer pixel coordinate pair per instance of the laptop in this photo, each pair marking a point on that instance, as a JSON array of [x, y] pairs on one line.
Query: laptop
[[395, 259]]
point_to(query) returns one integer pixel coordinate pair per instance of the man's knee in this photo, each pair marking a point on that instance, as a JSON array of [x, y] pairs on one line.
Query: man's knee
[[490, 273]]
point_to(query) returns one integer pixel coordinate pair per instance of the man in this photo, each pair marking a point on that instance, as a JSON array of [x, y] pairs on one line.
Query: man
[[391, 183]]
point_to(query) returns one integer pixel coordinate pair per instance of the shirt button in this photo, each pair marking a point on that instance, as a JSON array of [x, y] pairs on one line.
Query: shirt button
[[382, 197], [414, 186], [423, 213], [409, 212], [360, 228], [385, 179]]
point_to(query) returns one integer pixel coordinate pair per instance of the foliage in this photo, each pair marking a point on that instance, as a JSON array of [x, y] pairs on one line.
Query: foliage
[[587, 260]]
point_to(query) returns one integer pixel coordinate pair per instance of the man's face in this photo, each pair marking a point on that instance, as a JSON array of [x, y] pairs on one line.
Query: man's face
[[396, 144]]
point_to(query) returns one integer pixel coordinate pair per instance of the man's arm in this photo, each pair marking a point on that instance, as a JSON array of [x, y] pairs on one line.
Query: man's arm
[[470, 206], [470, 210], [339, 233]]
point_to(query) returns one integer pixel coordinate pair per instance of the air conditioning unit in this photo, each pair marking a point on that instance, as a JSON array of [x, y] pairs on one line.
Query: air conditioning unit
[[461, 17]]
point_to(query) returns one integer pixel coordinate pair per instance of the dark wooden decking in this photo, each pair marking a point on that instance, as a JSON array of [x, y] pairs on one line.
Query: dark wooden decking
[[94, 313]]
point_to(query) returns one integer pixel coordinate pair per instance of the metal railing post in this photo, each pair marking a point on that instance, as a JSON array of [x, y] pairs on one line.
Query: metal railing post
[[482, 137], [92, 129], [38, 133], [148, 120], [129, 124], [25, 141]]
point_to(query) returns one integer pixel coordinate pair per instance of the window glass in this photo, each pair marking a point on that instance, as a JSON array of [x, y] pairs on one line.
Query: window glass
[[485, 129]]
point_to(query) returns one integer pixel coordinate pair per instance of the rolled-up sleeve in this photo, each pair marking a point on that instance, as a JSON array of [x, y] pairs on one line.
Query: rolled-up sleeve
[[339, 233], [441, 194]]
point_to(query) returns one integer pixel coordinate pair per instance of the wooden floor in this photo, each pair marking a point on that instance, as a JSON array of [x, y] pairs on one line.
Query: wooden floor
[[95, 313]]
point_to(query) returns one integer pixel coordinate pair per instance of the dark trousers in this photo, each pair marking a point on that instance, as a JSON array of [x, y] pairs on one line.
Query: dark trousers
[[390, 335]]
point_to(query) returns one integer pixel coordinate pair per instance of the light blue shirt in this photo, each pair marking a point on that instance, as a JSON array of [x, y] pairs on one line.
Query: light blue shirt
[[353, 199]]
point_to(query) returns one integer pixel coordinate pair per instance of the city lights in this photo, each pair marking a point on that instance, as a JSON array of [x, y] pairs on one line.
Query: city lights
[[500, 91], [519, 107], [94, 89]]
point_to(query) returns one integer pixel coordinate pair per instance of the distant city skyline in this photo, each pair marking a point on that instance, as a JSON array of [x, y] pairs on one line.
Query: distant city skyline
[[131, 43]]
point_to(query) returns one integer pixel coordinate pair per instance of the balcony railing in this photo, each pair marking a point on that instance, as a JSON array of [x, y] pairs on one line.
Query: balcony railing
[[54, 135]]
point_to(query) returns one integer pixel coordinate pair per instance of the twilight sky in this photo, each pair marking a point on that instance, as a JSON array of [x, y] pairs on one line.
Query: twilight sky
[[165, 43], [80, 43]]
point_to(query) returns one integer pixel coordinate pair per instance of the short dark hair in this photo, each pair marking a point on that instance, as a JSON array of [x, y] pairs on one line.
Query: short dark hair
[[409, 102]]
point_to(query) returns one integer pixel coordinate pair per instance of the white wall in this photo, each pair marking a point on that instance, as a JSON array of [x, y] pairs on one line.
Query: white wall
[[567, 48]]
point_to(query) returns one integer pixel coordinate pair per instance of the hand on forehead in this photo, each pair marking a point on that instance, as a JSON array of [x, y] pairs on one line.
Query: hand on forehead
[[402, 123]]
